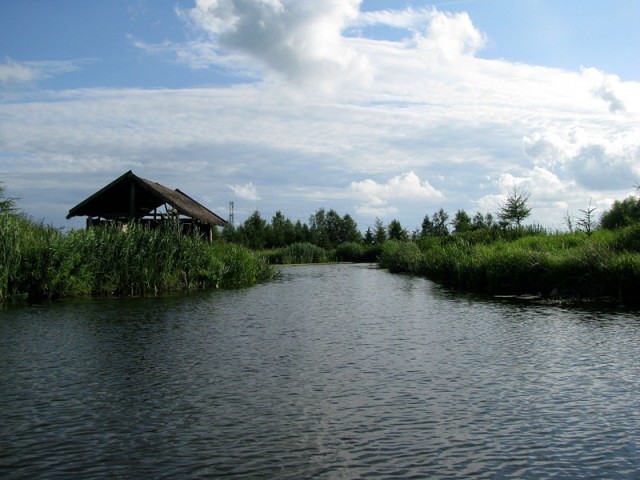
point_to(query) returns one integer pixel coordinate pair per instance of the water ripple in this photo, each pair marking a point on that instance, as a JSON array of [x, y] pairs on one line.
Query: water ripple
[[330, 372]]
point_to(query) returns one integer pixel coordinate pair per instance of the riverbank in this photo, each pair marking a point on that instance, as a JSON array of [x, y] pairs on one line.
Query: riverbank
[[39, 261], [604, 266]]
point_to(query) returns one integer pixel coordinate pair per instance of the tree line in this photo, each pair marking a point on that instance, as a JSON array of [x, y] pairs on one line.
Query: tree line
[[328, 229]]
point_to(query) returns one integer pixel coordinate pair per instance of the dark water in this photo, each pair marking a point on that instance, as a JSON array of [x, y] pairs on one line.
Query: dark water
[[330, 372]]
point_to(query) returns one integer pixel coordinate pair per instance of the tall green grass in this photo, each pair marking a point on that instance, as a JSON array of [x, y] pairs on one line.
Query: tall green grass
[[305, 252], [38, 261], [604, 265], [302, 252]]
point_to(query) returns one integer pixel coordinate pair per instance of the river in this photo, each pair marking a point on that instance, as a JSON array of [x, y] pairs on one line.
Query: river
[[341, 371]]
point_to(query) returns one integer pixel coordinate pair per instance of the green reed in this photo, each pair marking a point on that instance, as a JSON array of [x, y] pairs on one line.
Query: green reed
[[604, 265], [39, 261], [302, 252]]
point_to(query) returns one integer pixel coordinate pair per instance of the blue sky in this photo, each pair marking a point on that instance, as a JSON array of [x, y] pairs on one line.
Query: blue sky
[[376, 108]]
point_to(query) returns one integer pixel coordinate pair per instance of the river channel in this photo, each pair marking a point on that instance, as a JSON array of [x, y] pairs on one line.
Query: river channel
[[340, 371]]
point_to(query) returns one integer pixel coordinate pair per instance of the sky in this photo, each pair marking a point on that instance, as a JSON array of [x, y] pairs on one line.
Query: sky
[[385, 109]]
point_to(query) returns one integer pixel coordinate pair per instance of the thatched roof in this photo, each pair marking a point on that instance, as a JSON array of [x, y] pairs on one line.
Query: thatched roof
[[130, 196]]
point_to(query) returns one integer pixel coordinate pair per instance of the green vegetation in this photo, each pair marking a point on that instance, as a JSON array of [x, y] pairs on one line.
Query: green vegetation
[[588, 264], [594, 260], [37, 261]]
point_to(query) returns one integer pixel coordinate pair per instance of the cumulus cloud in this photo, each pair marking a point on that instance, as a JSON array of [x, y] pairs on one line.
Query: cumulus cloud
[[450, 36], [245, 192], [593, 159], [312, 44], [376, 197], [441, 35], [606, 87], [300, 40]]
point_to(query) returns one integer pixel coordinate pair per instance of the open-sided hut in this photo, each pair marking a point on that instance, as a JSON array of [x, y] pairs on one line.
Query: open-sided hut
[[131, 198]]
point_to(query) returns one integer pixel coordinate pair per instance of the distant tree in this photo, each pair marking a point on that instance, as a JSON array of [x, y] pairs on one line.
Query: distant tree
[[368, 237], [379, 232], [253, 232], [515, 208], [300, 232], [349, 230], [461, 222], [621, 214], [587, 223], [318, 228], [489, 221], [230, 234], [427, 227], [396, 232], [281, 231], [440, 220], [478, 222], [7, 204]]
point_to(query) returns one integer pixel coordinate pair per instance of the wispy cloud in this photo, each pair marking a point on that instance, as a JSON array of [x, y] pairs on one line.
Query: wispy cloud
[[245, 192], [12, 72], [24, 73]]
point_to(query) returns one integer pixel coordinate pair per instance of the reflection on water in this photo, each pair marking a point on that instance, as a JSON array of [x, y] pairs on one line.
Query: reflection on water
[[331, 372]]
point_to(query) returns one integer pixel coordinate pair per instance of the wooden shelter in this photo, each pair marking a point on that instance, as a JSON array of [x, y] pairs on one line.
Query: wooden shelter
[[131, 198]]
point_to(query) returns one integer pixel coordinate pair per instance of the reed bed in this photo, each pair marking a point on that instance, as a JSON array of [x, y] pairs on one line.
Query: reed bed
[[308, 253], [603, 266], [38, 261], [302, 252]]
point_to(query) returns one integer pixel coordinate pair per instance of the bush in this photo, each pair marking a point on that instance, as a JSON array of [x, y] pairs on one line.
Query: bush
[[357, 252]]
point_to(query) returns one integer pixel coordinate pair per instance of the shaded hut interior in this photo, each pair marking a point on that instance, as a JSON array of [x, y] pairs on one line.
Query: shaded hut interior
[[131, 198]]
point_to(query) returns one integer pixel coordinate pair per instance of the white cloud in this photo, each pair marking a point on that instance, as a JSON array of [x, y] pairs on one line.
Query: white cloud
[[300, 40], [450, 36], [594, 159], [376, 197], [245, 192], [12, 72], [470, 125], [20, 73], [605, 87]]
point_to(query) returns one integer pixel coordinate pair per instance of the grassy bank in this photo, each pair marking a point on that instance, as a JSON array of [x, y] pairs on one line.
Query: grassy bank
[[38, 261], [605, 265], [305, 252]]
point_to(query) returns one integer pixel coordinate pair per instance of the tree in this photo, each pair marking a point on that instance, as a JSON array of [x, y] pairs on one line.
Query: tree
[[300, 232], [515, 208], [396, 232], [349, 230], [281, 231], [318, 228], [333, 225], [253, 231], [440, 219], [368, 237], [379, 232], [461, 222], [621, 214], [587, 222], [7, 204], [427, 227], [480, 221], [435, 226]]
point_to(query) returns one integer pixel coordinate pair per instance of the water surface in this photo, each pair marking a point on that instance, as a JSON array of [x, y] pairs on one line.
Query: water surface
[[340, 371]]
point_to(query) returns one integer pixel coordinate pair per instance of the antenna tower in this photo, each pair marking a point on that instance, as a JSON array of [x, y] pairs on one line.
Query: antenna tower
[[231, 215]]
